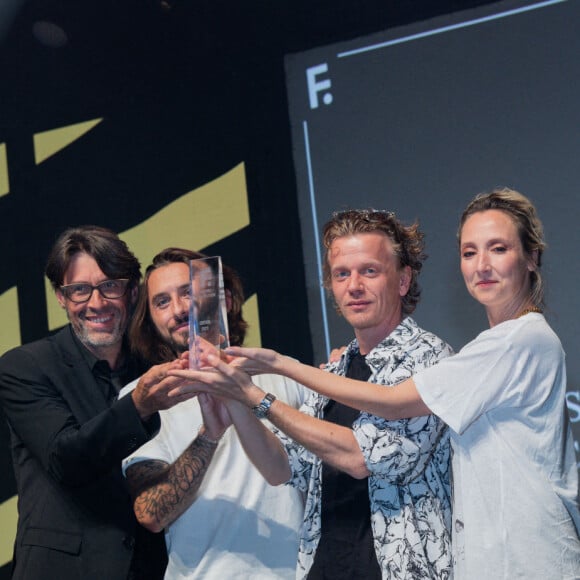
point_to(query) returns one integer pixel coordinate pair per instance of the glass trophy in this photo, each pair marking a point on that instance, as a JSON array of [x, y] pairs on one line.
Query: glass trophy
[[207, 310]]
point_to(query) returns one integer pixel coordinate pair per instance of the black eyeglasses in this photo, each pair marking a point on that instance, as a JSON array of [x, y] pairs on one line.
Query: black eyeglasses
[[82, 292]]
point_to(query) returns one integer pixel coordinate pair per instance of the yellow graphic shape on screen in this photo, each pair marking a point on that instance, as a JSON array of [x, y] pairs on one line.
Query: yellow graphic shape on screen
[[10, 327], [252, 317], [50, 142], [8, 517], [197, 219], [9, 338], [4, 181], [56, 315]]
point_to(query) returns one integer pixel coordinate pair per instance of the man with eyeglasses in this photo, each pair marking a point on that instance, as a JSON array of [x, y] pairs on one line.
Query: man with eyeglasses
[[69, 432]]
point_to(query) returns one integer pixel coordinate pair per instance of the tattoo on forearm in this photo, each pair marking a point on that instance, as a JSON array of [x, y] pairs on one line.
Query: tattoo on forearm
[[163, 492]]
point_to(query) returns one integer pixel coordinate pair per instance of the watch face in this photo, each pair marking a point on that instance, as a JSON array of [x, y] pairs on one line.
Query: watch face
[[261, 410]]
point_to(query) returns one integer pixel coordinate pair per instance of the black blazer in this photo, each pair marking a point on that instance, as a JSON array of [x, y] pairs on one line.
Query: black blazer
[[75, 515]]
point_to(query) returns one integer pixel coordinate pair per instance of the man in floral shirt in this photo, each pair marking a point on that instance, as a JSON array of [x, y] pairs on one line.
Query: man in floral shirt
[[378, 502], [408, 475]]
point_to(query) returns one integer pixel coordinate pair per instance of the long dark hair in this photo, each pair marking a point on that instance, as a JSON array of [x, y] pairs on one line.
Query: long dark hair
[[143, 336]]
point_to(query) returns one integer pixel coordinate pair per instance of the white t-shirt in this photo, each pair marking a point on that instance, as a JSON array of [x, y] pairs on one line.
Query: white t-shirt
[[239, 527], [515, 480]]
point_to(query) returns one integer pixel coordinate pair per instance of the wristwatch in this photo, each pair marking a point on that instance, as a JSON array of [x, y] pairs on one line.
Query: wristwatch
[[261, 411]]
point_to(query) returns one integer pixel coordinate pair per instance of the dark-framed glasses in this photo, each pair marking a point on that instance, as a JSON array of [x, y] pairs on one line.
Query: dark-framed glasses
[[82, 291]]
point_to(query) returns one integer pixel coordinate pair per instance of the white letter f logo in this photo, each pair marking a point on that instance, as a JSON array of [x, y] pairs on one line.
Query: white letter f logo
[[315, 87]]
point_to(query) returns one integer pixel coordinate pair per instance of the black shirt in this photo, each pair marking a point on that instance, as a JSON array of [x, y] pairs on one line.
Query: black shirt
[[346, 546]]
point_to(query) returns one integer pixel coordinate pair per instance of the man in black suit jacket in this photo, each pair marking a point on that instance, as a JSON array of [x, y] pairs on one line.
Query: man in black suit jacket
[[69, 432]]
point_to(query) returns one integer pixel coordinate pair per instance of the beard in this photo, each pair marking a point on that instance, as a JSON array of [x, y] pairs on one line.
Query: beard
[[95, 339], [180, 341]]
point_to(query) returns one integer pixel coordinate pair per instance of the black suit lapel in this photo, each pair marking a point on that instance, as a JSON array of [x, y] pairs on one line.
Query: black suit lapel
[[79, 386]]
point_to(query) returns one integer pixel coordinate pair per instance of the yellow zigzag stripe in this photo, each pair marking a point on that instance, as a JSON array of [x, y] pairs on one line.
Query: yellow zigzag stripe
[[8, 517], [4, 181], [197, 219], [50, 142], [10, 327]]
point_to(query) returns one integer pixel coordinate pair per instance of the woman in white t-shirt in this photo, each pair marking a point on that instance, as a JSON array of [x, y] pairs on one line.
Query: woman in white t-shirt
[[515, 492]]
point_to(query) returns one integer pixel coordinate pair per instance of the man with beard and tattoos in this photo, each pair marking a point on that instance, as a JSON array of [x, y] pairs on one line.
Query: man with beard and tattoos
[[220, 516]]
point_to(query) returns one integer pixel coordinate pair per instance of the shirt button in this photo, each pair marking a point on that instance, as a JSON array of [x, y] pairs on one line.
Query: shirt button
[[129, 542]]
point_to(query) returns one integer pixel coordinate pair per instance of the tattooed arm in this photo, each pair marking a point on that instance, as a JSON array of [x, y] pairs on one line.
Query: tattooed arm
[[162, 491]]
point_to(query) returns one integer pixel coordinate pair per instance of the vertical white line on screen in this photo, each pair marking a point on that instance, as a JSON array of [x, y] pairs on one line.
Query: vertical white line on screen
[[316, 237]]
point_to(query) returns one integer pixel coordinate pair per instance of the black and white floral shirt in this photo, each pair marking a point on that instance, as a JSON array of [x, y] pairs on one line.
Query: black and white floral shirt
[[408, 461]]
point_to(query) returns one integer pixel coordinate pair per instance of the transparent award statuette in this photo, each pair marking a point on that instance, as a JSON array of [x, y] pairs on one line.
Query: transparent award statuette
[[207, 311]]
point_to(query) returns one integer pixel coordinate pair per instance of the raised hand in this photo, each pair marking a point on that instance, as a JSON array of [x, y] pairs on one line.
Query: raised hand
[[204, 348], [216, 418], [223, 380], [152, 391], [254, 361]]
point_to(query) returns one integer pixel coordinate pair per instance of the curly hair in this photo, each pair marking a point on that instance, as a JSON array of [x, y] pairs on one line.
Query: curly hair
[[143, 336], [408, 244], [524, 215]]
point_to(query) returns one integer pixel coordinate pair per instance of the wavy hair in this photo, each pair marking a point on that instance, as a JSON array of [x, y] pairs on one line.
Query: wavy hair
[[408, 244]]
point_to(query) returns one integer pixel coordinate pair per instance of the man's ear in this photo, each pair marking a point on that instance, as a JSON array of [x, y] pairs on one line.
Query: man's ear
[[229, 300], [134, 294], [404, 280], [60, 298]]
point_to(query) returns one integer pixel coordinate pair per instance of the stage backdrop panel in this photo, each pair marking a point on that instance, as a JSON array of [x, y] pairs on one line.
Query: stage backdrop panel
[[421, 118]]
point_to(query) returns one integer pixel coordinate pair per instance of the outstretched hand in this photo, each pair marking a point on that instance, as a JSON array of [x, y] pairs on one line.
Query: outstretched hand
[[254, 361], [204, 348], [152, 391], [222, 380]]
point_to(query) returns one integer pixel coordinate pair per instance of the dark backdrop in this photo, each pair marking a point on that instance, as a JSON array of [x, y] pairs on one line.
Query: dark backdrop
[[188, 90], [420, 118]]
